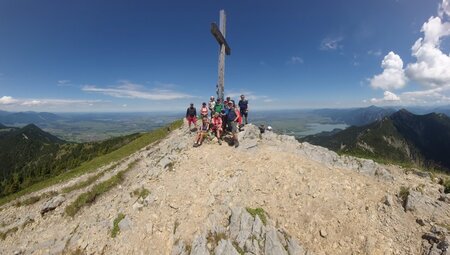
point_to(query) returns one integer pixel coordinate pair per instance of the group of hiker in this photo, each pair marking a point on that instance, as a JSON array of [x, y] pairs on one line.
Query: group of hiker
[[219, 117]]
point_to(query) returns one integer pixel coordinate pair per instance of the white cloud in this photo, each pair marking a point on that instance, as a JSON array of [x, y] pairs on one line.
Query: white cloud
[[7, 100], [388, 97], [393, 76], [295, 60], [429, 96], [376, 53], [250, 95], [444, 8], [432, 68], [331, 43], [63, 83], [131, 90]]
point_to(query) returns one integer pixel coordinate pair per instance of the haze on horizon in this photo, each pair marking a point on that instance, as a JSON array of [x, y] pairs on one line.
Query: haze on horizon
[[104, 56]]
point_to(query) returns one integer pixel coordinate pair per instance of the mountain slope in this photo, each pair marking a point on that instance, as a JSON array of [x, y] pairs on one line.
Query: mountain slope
[[29, 155], [28, 117], [357, 116], [271, 195], [401, 137]]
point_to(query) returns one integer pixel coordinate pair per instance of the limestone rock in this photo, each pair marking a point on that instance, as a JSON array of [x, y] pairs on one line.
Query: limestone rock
[[52, 204], [294, 247], [125, 224], [273, 245], [225, 247], [199, 246]]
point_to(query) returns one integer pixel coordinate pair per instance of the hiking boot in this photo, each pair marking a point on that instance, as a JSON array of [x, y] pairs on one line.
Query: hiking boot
[[195, 145], [236, 144]]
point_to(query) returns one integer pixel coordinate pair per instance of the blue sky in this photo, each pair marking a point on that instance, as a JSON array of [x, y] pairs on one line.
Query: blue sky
[[160, 55]]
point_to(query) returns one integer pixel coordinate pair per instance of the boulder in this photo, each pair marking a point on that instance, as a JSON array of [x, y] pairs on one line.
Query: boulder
[[52, 204]]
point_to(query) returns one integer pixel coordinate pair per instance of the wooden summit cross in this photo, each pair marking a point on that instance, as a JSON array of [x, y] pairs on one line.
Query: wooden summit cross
[[219, 34]]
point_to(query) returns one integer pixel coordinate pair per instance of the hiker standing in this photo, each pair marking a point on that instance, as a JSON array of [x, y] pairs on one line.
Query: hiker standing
[[211, 105], [204, 111], [243, 108], [191, 115], [232, 118]]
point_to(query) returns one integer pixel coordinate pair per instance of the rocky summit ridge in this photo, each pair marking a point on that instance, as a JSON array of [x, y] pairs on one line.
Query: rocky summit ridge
[[271, 195]]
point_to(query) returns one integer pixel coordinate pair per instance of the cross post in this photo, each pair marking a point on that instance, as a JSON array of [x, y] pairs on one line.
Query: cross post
[[219, 34]]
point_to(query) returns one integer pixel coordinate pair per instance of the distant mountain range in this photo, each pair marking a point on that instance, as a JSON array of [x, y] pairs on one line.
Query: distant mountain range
[[11, 118], [355, 116], [29, 155], [401, 137]]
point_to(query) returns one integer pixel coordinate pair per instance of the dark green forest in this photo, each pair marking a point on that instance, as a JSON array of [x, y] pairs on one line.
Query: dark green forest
[[29, 155], [402, 138]]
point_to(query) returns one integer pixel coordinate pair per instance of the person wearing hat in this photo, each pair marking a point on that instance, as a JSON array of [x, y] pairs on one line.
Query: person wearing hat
[[232, 119], [191, 115], [211, 105], [204, 111]]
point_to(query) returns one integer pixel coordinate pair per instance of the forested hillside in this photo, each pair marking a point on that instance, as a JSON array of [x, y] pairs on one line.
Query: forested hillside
[[29, 155], [403, 137]]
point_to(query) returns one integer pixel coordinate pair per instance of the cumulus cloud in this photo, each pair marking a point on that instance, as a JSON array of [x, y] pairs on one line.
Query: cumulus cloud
[[434, 95], [432, 68], [330, 43], [295, 60], [444, 8], [393, 76], [131, 90], [388, 97], [7, 100]]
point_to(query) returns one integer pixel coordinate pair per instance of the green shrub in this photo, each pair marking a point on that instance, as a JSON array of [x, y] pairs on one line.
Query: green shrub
[[403, 194], [446, 185], [115, 230], [258, 212]]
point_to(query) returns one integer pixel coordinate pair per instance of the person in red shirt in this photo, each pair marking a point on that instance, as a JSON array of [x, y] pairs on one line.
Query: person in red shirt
[[217, 126]]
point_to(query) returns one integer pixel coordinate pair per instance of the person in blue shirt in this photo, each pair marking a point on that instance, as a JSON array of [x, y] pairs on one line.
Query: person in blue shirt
[[243, 108]]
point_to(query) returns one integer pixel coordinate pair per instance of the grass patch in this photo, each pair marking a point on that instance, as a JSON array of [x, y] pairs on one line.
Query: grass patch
[[89, 181], [238, 249], [89, 197], [446, 184], [35, 199], [258, 212], [403, 194], [116, 230], [100, 161], [141, 193], [3, 235]]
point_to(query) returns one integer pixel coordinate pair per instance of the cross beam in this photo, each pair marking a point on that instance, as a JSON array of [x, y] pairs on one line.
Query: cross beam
[[220, 38], [219, 34]]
